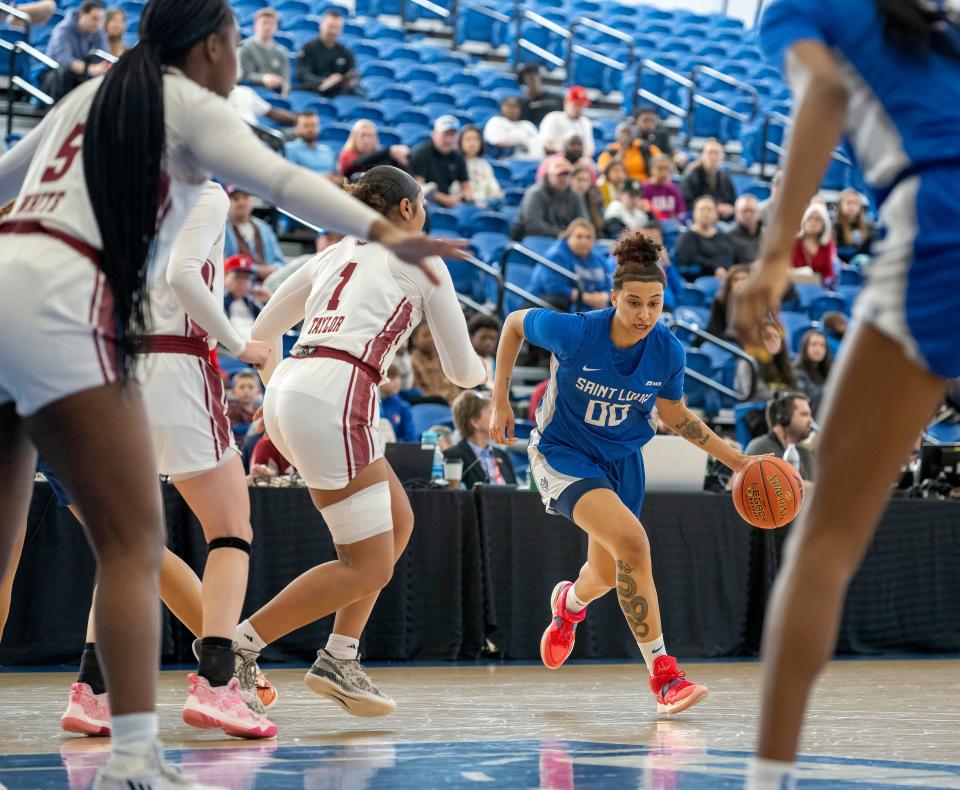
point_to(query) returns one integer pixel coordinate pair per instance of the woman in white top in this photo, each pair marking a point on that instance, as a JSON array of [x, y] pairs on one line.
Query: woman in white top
[[102, 187], [486, 188], [358, 304]]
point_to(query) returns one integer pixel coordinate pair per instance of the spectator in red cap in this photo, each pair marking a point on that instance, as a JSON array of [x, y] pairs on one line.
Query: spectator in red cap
[[557, 127], [250, 236], [238, 302]]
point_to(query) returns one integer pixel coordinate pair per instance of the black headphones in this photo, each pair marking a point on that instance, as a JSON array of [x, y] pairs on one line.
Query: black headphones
[[780, 408]]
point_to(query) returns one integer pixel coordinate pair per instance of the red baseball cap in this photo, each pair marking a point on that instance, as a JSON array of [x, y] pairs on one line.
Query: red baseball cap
[[578, 95], [239, 263]]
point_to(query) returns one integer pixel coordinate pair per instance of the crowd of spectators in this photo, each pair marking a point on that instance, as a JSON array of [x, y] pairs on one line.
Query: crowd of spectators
[[581, 198]]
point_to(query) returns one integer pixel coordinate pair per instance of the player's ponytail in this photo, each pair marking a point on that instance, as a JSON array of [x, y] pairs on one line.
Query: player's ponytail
[[637, 260], [123, 149], [920, 25]]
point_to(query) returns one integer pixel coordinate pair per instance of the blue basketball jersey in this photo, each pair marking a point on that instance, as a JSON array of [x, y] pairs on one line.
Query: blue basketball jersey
[[591, 406], [904, 107]]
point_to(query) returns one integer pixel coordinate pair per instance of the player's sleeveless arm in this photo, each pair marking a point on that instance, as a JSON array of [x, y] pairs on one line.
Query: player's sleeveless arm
[[459, 361], [224, 144], [15, 163], [286, 308], [559, 333], [190, 252]]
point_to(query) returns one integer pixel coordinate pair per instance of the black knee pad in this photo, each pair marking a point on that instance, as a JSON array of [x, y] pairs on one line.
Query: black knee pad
[[229, 543]]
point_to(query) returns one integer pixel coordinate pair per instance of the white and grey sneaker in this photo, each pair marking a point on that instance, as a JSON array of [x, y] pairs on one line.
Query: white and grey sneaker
[[346, 682], [145, 773]]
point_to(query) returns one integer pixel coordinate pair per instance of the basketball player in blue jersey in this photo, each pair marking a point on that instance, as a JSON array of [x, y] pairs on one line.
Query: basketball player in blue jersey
[[886, 72], [610, 369]]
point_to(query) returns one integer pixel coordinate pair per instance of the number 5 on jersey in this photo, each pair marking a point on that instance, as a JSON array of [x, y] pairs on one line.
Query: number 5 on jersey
[[606, 415]]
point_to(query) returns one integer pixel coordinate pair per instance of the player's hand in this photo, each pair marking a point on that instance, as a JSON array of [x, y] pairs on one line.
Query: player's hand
[[256, 353], [502, 423], [416, 248], [262, 470], [759, 298]]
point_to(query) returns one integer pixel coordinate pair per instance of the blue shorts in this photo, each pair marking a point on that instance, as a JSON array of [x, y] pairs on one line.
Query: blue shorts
[[563, 475], [59, 491], [912, 293]]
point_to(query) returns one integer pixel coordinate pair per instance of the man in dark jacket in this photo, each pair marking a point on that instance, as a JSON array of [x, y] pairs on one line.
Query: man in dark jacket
[[548, 207], [482, 462], [325, 65]]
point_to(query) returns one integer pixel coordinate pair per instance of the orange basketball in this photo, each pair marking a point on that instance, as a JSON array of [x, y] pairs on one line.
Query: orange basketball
[[768, 492]]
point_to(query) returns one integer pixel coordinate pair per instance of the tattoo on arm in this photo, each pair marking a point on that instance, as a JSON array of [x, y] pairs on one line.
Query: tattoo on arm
[[635, 607], [693, 431]]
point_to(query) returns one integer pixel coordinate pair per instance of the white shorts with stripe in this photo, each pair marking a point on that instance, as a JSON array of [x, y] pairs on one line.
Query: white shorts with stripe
[[56, 321], [187, 409], [323, 415]]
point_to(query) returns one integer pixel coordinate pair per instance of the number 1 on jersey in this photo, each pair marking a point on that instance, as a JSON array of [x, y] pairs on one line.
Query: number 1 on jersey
[[345, 276]]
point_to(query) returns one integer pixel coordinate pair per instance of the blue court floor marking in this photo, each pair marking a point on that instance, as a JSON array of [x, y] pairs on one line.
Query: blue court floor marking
[[382, 765]]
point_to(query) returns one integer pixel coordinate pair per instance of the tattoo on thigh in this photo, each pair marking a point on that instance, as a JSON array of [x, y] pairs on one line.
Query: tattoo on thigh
[[635, 607], [694, 431]]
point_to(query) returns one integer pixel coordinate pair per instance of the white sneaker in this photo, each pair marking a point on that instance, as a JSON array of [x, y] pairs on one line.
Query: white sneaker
[[145, 773]]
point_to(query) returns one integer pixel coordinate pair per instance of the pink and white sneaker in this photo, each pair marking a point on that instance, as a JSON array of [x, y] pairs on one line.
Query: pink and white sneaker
[[227, 708], [87, 713], [670, 686]]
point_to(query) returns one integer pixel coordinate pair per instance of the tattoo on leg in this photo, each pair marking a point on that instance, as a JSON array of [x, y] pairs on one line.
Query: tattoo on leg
[[635, 607], [694, 431]]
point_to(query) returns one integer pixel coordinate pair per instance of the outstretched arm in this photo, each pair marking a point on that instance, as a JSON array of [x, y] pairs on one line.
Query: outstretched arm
[[676, 416]]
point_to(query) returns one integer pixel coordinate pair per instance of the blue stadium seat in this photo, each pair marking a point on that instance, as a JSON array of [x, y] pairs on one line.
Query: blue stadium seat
[[710, 286], [944, 433], [426, 415], [692, 296], [828, 302], [442, 219], [335, 134], [489, 245], [487, 222], [740, 412], [467, 279]]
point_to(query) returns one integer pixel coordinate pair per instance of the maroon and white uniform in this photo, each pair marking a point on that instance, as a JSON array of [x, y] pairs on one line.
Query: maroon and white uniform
[[56, 312], [358, 303], [184, 396]]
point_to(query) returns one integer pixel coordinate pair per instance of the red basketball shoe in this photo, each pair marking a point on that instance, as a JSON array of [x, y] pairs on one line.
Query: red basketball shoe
[[673, 691], [558, 640]]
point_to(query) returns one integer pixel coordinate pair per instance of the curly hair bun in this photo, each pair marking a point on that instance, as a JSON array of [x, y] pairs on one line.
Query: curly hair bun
[[637, 259]]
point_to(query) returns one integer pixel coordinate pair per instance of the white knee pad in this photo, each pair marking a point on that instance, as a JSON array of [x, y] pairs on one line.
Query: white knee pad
[[361, 516]]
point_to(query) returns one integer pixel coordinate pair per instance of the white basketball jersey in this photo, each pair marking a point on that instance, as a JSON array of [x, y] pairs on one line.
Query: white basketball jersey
[[364, 301], [167, 316], [54, 191]]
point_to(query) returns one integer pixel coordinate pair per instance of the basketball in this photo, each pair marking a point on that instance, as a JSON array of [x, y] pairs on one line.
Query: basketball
[[768, 492]]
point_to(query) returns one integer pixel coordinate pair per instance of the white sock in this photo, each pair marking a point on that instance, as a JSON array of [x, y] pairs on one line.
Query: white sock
[[247, 637], [574, 604], [652, 651], [343, 647], [133, 734], [770, 775]]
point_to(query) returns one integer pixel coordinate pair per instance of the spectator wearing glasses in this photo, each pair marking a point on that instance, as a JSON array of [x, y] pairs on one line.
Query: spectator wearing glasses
[[550, 206], [483, 464]]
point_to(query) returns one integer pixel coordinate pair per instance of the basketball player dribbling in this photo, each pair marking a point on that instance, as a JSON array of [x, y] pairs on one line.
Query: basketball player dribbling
[[358, 304], [609, 370], [886, 73], [103, 185]]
